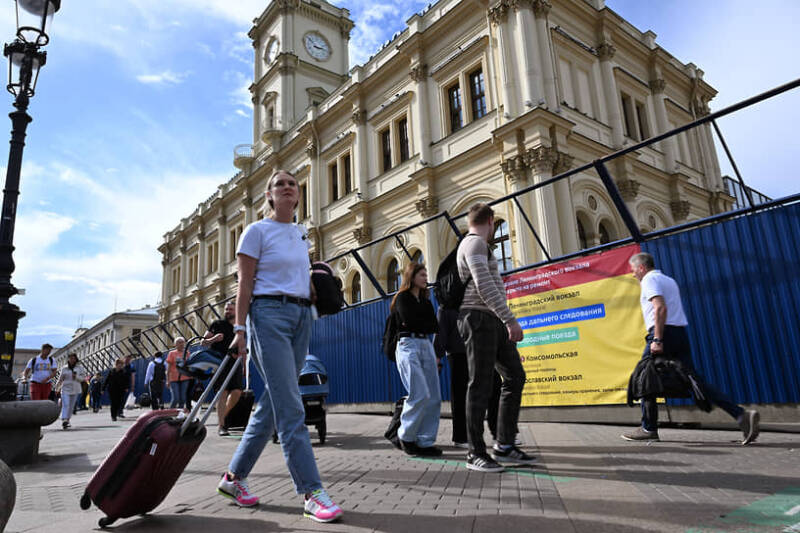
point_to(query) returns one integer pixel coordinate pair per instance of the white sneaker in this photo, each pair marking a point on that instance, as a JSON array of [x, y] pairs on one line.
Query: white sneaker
[[463, 445], [319, 507], [236, 490]]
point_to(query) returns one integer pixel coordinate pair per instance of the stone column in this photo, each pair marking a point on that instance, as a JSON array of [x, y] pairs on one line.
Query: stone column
[[247, 203], [499, 17], [709, 151], [540, 9], [605, 52], [201, 256], [360, 148], [515, 170], [542, 159], [532, 85], [166, 274], [314, 184], [422, 129], [566, 212], [427, 207], [668, 146], [183, 274], [222, 231]]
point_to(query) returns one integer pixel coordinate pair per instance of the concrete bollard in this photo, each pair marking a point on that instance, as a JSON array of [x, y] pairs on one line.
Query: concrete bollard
[[8, 494], [20, 426]]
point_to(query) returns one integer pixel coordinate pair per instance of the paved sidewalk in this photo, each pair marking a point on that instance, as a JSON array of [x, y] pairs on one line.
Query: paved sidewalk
[[587, 480]]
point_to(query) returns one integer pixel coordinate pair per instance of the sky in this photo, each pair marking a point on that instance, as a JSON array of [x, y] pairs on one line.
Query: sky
[[141, 102]]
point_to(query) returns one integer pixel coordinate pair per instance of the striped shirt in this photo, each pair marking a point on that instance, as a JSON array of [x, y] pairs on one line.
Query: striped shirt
[[485, 290]]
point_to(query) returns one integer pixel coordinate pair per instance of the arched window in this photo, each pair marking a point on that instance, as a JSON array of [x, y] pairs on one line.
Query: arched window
[[582, 235], [355, 289], [392, 276], [502, 244], [417, 257], [605, 234]]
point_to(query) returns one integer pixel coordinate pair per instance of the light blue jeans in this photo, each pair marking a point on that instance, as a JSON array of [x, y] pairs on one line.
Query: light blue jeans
[[279, 334], [68, 404], [178, 391], [416, 362]]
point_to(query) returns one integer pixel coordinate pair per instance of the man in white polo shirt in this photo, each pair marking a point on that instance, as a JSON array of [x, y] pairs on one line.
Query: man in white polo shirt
[[666, 335]]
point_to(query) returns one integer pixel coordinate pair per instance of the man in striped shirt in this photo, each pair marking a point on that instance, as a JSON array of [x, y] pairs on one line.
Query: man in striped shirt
[[490, 332]]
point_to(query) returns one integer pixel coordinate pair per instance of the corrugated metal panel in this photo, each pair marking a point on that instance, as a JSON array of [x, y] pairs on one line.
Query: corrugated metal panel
[[740, 281]]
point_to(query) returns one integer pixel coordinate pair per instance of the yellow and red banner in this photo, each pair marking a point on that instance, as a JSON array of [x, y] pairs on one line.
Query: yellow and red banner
[[583, 327]]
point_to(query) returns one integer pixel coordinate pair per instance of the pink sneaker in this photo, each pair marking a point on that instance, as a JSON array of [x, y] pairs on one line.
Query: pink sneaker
[[321, 508], [236, 490]]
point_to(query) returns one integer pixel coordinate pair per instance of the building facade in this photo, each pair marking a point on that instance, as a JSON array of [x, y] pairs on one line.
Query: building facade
[[115, 327], [473, 100]]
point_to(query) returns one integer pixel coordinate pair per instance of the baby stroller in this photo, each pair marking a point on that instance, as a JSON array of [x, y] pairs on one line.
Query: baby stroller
[[314, 389], [198, 361]]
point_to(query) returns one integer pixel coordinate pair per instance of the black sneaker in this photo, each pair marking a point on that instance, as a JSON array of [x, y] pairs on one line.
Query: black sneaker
[[410, 448], [483, 463], [512, 455], [429, 451]]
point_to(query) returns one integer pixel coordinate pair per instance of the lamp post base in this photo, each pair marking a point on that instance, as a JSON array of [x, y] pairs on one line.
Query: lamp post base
[[9, 319]]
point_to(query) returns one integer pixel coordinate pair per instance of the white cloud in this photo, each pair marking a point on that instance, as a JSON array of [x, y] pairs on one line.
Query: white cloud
[[164, 78], [242, 113]]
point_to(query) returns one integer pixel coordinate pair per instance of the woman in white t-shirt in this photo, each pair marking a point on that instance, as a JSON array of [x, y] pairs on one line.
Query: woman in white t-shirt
[[69, 382], [274, 295]]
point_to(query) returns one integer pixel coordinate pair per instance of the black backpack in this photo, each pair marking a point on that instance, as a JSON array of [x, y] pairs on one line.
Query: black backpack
[[449, 289], [328, 287], [159, 373], [394, 423], [390, 331]]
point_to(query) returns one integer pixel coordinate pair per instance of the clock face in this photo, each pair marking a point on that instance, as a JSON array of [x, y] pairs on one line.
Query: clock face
[[317, 46], [272, 50]]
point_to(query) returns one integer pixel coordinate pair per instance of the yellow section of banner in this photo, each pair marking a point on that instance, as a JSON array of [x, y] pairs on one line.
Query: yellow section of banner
[[592, 340]]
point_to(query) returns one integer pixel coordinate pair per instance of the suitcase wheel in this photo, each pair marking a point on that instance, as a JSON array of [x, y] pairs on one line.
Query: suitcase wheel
[[106, 521], [86, 501]]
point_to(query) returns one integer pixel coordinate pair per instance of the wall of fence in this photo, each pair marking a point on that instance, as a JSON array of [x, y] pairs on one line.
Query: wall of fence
[[740, 280]]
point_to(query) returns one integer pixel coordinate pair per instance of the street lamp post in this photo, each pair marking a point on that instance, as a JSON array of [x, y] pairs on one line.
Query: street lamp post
[[25, 57]]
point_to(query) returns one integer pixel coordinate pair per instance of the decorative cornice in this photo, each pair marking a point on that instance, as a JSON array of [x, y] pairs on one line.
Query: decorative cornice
[[418, 73], [628, 189], [605, 51], [427, 207], [680, 209], [563, 164], [541, 158], [363, 234], [657, 86], [311, 150], [541, 8], [514, 169], [247, 200]]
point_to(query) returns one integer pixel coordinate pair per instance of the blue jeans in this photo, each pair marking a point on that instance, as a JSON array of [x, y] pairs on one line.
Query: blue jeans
[[279, 334], [178, 390], [67, 404], [416, 363]]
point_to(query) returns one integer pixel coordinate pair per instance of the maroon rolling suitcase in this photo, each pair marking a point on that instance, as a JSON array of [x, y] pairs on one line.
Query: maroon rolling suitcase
[[144, 466]]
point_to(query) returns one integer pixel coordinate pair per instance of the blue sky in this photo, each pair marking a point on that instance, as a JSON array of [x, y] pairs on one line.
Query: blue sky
[[141, 103]]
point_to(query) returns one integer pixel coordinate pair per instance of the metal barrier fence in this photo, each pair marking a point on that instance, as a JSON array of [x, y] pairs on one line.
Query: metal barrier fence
[[158, 338]]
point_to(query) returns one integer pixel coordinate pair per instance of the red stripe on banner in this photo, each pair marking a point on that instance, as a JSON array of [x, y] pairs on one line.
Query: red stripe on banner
[[573, 272]]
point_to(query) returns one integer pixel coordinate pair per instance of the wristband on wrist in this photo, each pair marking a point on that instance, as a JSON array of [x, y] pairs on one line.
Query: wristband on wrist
[[238, 327], [657, 340]]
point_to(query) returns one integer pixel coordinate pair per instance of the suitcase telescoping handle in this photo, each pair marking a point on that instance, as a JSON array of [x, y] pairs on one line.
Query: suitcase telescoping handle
[[199, 404]]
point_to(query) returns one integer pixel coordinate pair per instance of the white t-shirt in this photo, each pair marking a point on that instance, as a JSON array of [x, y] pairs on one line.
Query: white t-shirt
[[654, 283], [40, 368], [71, 379], [281, 250]]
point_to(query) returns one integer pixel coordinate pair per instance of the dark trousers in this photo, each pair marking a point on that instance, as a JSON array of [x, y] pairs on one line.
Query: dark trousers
[[676, 346], [488, 348], [156, 396], [459, 379], [95, 401], [117, 398]]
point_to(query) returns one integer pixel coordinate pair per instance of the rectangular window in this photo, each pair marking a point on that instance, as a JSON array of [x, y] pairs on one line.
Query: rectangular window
[[477, 94], [176, 279], [402, 133], [334, 181], [209, 259], [348, 180], [641, 117], [454, 104], [629, 123], [234, 240], [386, 149], [303, 201]]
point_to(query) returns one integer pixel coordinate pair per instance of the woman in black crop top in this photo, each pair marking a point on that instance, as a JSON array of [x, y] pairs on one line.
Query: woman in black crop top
[[417, 364]]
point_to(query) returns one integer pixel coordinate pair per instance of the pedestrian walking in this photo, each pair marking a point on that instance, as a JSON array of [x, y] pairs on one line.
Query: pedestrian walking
[[274, 295], [96, 391], [155, 378], [69, 384], [178, 383], [667, 336], [40, 370], [417, 363], [116, 385], [490, 332], [448, 341]]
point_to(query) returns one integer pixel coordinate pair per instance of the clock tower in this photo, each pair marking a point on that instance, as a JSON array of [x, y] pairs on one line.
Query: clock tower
[[301, 49]]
